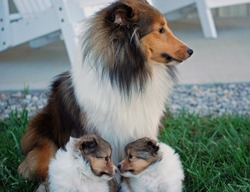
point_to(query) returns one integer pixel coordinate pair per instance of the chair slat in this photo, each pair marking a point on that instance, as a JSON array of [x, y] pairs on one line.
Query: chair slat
[[43, 5], [34, 6], [27, 8], [90, 7], [89, 3], [20, 7]]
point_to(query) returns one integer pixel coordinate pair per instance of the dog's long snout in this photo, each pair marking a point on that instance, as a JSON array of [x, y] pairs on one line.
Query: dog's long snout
[[190, 51]]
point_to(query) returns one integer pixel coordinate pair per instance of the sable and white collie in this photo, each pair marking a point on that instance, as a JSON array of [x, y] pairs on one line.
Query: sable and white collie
[[118, 86], [150, 166], [84, 165]]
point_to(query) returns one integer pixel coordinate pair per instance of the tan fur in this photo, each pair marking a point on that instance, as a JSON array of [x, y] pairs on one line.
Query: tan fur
[[37, 160], [99, 156], [156, 43], [100, 160], [101, 165], [135, 162]]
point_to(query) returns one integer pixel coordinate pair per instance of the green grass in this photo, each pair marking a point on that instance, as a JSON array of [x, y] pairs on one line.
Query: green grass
[[11, 131], [214, 151]]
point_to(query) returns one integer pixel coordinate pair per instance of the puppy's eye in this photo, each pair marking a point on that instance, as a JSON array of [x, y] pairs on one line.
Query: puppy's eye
[[130, 156], [161, 30], [106, 159]]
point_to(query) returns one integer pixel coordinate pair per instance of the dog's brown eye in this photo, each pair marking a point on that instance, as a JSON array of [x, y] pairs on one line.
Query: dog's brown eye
[[130, 156], [161, 30]]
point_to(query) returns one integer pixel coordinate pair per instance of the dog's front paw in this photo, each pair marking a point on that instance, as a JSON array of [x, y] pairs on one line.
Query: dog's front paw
[[24, 170]]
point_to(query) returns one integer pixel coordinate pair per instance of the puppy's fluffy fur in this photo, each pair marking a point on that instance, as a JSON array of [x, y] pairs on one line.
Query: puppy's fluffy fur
[[84, 165], [151, 167], [118, 86]]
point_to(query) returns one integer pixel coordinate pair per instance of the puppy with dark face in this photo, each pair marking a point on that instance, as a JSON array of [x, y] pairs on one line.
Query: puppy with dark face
[[84, 165], [150, 166]]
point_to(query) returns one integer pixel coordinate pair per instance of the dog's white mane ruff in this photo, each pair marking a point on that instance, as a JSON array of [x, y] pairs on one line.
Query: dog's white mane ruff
[[116, 118], [163, 176], [69, 172]]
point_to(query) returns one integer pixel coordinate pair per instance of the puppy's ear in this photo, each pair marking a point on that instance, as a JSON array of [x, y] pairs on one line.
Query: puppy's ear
[[89, 146], [120, 14], [153, 146]]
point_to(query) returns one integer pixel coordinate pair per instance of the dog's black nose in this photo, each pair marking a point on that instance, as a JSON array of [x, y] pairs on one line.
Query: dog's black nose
[[190, 52], [119, 166]]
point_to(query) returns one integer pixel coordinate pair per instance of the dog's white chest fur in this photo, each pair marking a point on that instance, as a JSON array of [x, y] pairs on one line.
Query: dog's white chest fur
[[116, 118]]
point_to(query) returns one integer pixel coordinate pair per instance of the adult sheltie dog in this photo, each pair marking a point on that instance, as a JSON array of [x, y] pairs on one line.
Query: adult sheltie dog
[[117, 88]]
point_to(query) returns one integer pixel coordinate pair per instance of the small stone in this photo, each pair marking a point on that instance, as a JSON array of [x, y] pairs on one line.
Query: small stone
[[28, 97], [35, 98], [17, 95]]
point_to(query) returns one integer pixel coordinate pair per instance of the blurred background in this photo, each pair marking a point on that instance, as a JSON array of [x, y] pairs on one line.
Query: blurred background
[[37, 39]]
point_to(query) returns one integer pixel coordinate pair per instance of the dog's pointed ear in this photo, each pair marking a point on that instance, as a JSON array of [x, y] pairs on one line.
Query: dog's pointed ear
[[89, 146], [120, 14], [153, 146]]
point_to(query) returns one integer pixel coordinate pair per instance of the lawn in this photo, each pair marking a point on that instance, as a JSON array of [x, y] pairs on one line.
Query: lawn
[[214, 151]]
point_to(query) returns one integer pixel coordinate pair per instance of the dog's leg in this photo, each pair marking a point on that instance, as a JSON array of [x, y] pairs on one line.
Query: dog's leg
[[37, 161]]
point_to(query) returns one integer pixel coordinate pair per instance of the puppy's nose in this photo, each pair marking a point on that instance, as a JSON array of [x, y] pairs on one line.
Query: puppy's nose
[[190, 52], [119, 166]]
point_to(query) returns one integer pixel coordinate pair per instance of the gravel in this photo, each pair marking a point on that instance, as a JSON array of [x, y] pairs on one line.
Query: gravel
[[33, 101], [212, 99]]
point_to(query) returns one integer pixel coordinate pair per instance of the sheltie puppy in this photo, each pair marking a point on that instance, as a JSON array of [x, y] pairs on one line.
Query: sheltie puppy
[[84, 165], [150, 166], [117, 88]]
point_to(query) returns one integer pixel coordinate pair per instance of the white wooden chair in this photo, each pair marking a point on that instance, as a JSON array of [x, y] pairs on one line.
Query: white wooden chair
[[35, 22], [42, 21], [204, 10], [69, 13]]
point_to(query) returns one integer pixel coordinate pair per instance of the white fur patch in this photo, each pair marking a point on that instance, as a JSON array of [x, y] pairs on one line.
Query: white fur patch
[[117, 119]]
